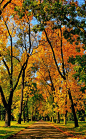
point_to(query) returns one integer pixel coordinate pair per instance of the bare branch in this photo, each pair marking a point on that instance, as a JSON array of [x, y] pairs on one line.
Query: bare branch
[[6, 67], [16, 58]]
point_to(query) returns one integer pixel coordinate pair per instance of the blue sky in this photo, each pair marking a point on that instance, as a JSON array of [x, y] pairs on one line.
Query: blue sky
[[81, 1]]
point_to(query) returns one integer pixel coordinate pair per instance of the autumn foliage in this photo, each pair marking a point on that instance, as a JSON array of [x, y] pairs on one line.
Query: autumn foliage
[[41, 62]]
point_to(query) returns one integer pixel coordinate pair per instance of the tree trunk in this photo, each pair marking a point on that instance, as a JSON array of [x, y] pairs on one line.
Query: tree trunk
[[27, 118], [8, 116], [65, 118], [58, 117], [52, 118], [32, 116], [73, 109], [0, 111], [21, 102], [24, 114]]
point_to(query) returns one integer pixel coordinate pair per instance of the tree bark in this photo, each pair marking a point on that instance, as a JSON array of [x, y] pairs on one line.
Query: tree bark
[[65, 118], [27, 118], [24, 113], [73, 109], [0, 111], [52, 118], [32, 116], [65, 115], [58, 117], [8, 116], [21, 102]]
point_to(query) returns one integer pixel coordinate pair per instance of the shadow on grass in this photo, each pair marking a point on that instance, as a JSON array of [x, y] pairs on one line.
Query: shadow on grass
[[5, 134]]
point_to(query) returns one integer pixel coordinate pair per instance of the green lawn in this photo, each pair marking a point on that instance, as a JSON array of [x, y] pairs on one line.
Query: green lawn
[[69, 128], [6, 132]]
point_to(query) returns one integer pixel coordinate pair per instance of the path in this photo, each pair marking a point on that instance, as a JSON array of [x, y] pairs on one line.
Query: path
[[41, 130]]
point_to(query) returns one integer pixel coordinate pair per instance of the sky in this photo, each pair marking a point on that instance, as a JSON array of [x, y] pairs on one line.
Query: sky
[[81, 1]]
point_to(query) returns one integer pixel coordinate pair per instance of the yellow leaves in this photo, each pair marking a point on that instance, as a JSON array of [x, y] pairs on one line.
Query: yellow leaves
[[24, 57], [18, 93]]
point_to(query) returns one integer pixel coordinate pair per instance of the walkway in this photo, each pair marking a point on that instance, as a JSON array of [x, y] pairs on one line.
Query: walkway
[[41, 130]]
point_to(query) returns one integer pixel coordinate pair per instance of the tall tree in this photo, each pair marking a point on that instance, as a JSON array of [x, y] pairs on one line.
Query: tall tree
[[9, 67]]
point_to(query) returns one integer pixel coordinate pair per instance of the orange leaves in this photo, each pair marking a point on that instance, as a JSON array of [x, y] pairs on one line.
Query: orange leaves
[[17, 2]]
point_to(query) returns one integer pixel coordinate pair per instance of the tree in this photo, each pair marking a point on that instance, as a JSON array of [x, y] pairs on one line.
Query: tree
[[12, 88], [60, 52]]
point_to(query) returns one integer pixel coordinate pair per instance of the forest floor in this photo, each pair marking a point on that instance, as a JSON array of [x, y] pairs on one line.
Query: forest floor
[[44, 130]]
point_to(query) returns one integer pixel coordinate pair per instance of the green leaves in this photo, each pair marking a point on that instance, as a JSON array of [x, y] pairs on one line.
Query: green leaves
[[71, 60], [37, 28], [80, 68]]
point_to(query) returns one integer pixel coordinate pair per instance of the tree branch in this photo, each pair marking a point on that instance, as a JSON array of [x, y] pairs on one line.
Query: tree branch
[[1, 1], [3, 97], [62, 55], [29, 37], [16, 58], [52, 85], [4, 5], [54, 56], [75, 24], [23, 67], [6, 66]]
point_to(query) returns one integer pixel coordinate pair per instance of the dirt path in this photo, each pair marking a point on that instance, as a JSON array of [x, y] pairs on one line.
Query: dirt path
[[41, 130]]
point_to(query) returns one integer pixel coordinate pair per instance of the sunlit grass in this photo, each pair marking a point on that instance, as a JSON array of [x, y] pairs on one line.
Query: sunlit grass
[[69, 127], [5, 132]]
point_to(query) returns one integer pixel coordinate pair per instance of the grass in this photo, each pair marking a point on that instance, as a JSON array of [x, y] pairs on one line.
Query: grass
[[79, 132], [6, 132]]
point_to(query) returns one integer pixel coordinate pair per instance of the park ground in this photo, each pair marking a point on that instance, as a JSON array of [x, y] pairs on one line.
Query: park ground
[[63, 131]]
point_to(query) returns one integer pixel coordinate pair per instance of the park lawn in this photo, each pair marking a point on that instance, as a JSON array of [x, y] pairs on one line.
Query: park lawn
[[6, 132], [79, 132]]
